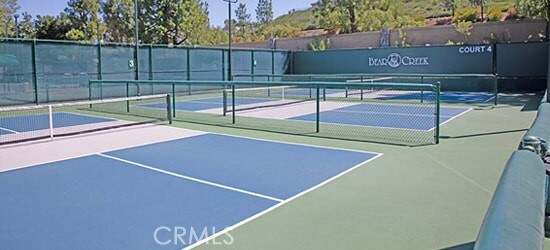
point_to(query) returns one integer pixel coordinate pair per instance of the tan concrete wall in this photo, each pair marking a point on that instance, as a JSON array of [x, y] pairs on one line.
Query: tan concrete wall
[[504, 32]]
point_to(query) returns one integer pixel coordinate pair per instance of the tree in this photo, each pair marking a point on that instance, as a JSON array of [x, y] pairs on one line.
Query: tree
[[118, 16], [85, 16], [535, 8], [50, 27], [26, 26], [8, 8], [173, 22], [449, 5], [481, 4], [243, 23], [264, 12]]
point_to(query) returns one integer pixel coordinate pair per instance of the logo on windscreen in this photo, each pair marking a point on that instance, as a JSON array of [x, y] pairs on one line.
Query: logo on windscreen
[[395, 60]]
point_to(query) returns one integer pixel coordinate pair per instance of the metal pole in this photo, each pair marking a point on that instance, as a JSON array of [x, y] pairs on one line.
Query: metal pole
[[437, 110], [99, 71], [16, 26], [318, 112], [229, 73], [136, 29], [34, 72]]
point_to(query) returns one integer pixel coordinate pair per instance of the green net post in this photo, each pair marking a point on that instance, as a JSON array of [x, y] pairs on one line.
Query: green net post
[[495, 88], [422, 91], [34, 72], [173, 99], [318, 111], [128, 95], [233, 103], [168, 109], [437, 111], [324, 94]]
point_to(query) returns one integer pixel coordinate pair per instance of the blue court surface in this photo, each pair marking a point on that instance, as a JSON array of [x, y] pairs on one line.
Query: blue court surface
[[26, 123], [119, 199], [385, 116], [208, 103]]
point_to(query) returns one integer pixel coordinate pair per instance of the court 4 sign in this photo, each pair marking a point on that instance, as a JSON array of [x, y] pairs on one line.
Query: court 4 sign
[[395, 60]]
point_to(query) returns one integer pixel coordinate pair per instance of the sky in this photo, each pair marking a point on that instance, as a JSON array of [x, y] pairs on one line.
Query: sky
[[218, 8]]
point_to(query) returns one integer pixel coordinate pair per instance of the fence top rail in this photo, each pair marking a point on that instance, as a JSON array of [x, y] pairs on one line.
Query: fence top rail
[[370, 74], [141, 45], [394, 85]]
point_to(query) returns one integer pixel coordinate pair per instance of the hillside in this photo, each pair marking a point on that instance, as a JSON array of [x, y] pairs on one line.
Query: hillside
[[304, 19]]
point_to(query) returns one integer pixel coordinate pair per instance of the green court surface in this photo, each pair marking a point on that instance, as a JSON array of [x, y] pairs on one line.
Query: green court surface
[[427, 197]]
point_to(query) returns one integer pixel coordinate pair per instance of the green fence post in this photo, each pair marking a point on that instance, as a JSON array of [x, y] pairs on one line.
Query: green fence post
[[34, 72], [252, 66], [272, 62], [151, 68], [224, 100], [188, 64], [90, 92], [437, 111], [127, 95], [233, 102], [223, 65], [421, 91], [318, 112], [174, 99], [99, 70], [495, 88]]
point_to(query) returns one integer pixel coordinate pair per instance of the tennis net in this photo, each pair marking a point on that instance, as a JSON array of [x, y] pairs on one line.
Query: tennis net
[[31, 122]]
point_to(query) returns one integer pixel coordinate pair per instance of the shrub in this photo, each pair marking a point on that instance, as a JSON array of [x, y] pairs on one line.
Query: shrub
[[465, 15], [512, 14], [494, 14]]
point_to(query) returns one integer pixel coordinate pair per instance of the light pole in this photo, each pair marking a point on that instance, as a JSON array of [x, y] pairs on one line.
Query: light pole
[[16, 16], [229, 74], [136, 50]]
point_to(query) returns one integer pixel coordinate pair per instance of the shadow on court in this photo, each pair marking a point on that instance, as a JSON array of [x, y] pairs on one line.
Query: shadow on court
[[465, 246]]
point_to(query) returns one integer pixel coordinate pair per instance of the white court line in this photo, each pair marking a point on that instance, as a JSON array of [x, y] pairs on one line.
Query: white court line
[[383, 113], [253, 217], [192, 178], [9, 130]]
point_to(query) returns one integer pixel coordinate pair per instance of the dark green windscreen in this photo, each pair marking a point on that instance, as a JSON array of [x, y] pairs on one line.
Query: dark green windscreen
[[522, 59], [16, 85], [435, 60]]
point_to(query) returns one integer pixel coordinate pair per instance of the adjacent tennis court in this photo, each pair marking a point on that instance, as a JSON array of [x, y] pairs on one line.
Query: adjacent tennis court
[[118, 198]]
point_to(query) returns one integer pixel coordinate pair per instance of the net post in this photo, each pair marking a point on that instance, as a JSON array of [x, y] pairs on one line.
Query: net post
[[168, 109], [233, 103], [50, 120], [324, 94], [495, 88], [361, 88], [437, 111], [173, 99], [318, 111], [127, 95]]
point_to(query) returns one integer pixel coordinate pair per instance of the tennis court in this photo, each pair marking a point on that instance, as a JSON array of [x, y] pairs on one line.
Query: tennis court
[[119, 198], [362, 114]]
